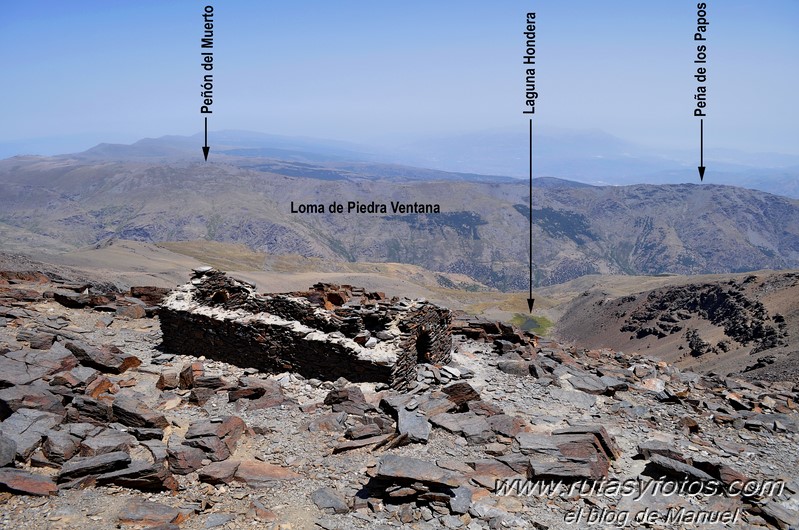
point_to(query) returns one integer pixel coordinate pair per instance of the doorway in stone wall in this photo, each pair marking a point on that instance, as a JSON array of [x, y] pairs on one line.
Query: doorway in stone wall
[[424, 344]]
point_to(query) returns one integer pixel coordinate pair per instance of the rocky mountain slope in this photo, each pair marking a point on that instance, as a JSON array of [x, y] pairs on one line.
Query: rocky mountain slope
[[101, 428], [747, 323], [481, 230]]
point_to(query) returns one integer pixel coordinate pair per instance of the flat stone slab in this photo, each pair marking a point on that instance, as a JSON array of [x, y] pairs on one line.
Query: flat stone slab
[[108, 359], [608, 442], [213, 446], [130, 411], [218, 472], [505, 424], [569, 469], [579, 445], [363, 431], [27, 428], [328, 500], [476, 429], [78, 377], [107, 441], [414, 426], [8, 450], [472, 426], [534, 443], [412, 469], [573, 397], [23, 482], [229, 429], [60, 446], [652, 447], [588, 383], [24, 366], [432, 406], [785, 517], [460, 393], [331, 422], [184, 459], [143, 476], [93, 465], [461, 500], [216, 520], [259, 474], [492, 467], [94, 410], [144, 513], [361, 442], [675, 467]]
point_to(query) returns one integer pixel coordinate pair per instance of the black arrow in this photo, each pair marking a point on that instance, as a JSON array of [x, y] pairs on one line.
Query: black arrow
[[701, 150], [205, 147], [530, 299]]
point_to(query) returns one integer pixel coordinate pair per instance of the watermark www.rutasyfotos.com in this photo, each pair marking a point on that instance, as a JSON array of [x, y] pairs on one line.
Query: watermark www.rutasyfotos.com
[[639, 489]]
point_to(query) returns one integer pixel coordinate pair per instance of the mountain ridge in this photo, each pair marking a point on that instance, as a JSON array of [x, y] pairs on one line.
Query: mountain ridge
[[589, 156], [482, 231]]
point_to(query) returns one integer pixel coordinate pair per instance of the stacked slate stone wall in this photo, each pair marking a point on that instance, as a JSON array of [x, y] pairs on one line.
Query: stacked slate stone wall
[[267, 347], [354, 334], [302, 311], [426, 338]]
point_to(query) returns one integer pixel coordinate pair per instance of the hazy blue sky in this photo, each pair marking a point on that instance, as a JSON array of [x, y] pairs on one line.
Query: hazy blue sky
[[366, 71]]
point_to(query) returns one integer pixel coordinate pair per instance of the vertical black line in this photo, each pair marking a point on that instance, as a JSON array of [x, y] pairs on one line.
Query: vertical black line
[[531, 207], [206, 131], [701, 141]]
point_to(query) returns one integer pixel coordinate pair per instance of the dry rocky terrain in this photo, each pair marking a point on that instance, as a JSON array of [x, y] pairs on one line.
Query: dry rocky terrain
[[746, 323], [102, 428]]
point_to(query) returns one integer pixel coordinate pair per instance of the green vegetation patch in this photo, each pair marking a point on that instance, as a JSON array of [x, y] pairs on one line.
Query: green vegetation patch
[[538, 325]]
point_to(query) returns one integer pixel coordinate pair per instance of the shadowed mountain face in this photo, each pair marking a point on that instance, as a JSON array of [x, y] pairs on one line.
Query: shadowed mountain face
[[482, 230]]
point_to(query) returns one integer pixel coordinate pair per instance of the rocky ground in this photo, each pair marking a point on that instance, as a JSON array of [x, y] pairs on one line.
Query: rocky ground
[[102, 429]]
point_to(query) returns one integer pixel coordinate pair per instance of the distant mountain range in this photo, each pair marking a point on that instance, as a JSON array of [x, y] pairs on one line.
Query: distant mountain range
[[160, 190], [592, 157], [595, 157]]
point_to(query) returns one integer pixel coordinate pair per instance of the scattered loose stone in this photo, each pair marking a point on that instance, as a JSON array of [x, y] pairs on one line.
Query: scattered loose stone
[[8, 450], [130, 411], [107, 358], [80, 466], [542, 412], [141, 512], [184, 459], [262, 474], [398, 467], [218, 472], [19, 481], [327, 500], [27, 428]]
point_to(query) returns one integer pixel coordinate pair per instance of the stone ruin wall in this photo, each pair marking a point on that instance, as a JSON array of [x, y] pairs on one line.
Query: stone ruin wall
[[327, 332]]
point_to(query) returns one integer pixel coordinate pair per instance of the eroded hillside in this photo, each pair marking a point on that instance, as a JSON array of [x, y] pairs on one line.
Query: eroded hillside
[[481, 230], [744, 323]]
